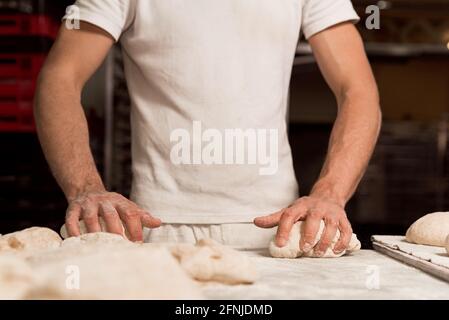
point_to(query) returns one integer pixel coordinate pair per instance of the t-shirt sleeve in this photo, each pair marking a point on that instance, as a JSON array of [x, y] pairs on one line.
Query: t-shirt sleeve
[[319, 15], [113, 16]]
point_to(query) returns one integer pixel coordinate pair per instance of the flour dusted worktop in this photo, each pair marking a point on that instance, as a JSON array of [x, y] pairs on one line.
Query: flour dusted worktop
[[34, 262], [348, 277]]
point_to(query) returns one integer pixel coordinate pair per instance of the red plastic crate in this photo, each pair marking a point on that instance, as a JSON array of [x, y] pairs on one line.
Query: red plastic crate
[[20, 66], [17, 117], [16, 105], [28, 25], [17, 90]]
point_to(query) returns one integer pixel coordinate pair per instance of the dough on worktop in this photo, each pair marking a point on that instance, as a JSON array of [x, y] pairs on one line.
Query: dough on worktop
[[205, 261], [106, 265], [93, 239], [432, 230], [83, 229], [121, 273], [112, 267], [16, 277], [292, 249], [210, 261], [86, 244], [31, 239]]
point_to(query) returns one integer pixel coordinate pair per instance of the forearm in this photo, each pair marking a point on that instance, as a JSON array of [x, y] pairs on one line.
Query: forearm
[[351, 146], [63, 132]]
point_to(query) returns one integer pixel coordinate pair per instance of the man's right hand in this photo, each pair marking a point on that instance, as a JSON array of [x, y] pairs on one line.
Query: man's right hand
[[116, 211]]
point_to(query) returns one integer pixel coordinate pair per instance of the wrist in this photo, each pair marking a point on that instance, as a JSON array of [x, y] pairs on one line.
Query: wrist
[[76, 191], [329, 192]]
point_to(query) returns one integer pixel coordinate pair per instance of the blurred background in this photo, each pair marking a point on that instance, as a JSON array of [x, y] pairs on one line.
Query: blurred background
[[407, 177]]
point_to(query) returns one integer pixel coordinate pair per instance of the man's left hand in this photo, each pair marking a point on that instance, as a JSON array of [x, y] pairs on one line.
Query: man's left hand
[[311, 210]]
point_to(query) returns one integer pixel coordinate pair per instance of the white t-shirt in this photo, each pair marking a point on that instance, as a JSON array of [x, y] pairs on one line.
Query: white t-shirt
[[209, 82]]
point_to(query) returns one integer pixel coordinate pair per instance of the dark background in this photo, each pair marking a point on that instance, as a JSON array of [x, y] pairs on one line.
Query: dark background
[[407, 177]]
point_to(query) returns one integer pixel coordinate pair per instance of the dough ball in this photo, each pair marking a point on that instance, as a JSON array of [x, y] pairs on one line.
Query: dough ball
[[83, 229], [32, 239], [432, 230], [292, 249]]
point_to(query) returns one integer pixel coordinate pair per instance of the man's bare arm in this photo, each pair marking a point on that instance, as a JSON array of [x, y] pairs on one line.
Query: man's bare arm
[[63, 132], [60, 119], [343, 62]]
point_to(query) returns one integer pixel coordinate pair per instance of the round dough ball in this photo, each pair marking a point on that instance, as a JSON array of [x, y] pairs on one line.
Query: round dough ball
[[83, 229], [432, 230]]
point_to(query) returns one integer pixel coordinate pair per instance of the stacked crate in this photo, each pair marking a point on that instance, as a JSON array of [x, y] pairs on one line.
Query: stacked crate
[[28, 193], [26, 34]]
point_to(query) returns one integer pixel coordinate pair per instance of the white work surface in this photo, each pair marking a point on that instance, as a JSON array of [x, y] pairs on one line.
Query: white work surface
[[342, 278]]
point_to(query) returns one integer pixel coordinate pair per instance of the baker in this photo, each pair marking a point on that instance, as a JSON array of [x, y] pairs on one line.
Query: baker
[[209, 84]]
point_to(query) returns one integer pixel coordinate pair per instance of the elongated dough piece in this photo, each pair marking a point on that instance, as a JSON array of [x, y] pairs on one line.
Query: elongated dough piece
[[210, 261], [292, 249]]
